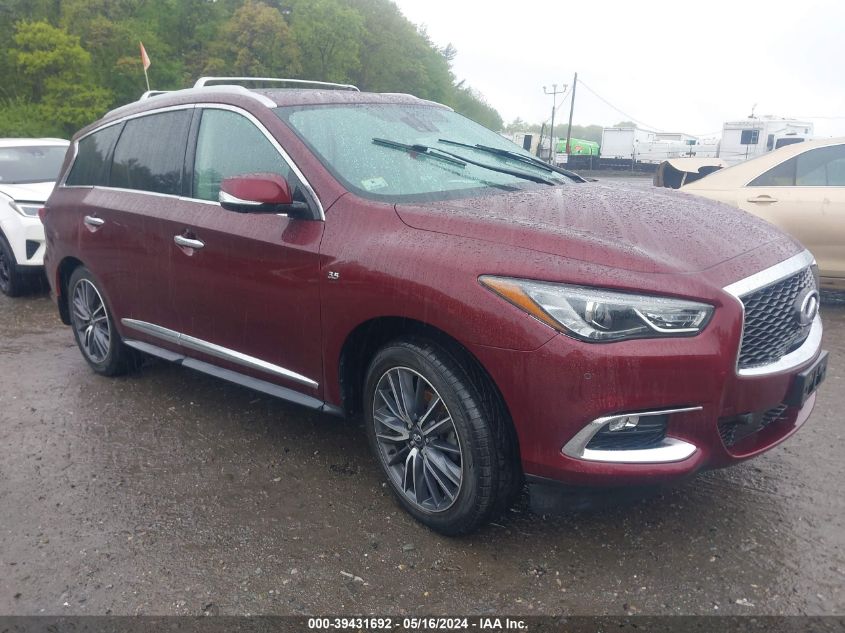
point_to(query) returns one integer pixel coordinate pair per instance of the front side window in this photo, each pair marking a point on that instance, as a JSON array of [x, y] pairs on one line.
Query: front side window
[[370, 149], [822, 167], [91, 167], [151, 153], [19, 165], [230, 145], [782, 175]]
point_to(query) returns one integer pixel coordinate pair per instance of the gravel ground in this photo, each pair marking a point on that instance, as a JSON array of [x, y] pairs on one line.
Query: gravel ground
[[169, 492]]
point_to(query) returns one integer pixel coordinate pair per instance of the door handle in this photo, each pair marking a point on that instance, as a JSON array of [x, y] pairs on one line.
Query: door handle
[[93, 221], [762, 199], [188, 242]]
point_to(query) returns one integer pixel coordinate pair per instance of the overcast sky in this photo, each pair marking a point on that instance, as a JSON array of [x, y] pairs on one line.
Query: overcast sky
[[672, 65]]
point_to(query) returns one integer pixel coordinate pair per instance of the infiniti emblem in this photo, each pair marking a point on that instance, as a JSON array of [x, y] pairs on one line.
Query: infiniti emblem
[[806, 306]]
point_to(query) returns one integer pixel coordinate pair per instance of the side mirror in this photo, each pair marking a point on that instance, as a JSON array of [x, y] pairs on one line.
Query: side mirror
[[261, 193]]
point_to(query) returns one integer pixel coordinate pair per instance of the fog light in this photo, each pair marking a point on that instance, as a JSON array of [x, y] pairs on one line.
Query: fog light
[[627, 422]]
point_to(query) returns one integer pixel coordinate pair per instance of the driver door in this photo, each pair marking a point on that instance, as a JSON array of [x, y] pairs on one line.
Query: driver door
[[245, 286]]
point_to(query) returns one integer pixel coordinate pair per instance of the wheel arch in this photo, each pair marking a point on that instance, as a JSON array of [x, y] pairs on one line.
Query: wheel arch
[[63, 272], [367, 338]]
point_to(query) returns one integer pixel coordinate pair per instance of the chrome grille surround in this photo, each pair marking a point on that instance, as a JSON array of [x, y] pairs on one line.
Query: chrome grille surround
[[772, 339]]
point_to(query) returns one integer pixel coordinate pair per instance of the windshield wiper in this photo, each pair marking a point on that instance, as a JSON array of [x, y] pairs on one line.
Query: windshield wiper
[[443, 154], [431, 152], [522, 158]]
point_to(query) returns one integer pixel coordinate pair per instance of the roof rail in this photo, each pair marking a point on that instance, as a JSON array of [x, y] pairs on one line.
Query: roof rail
[[204, 82], [152, 93]]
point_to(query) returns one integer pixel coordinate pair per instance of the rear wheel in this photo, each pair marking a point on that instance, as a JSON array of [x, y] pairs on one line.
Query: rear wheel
[[93, 327], [438, 440], [11, 281]]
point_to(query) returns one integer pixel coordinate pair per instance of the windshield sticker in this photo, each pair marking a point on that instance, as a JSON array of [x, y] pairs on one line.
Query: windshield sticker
[[374, 184]]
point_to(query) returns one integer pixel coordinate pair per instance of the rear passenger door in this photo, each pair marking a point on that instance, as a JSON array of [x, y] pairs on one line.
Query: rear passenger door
[[249, 294], [141, 184]]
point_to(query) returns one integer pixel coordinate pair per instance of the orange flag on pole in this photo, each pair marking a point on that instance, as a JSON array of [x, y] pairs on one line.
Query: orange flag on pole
[[145, 62], [145, 59]]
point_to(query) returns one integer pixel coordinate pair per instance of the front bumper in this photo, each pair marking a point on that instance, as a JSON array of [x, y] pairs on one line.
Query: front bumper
[[556, 392], [26, 237]]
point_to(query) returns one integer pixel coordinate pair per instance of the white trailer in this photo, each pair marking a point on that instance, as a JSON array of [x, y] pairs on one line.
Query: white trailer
[[620, 143], [740, 141], [752, 137], [658, 151]]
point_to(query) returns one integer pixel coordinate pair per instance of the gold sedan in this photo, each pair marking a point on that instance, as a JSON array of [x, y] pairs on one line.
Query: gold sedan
[[799, 188]]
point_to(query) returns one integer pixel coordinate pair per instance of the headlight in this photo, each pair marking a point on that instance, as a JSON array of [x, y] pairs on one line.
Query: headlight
[[29, 209], [597, 315]]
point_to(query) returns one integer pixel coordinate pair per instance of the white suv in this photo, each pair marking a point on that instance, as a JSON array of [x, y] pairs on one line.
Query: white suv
[[28, 170]]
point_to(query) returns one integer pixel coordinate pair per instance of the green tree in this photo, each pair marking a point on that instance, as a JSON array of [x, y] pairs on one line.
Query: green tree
[[54, 74], [72, 59], [329, 33], [256, 42], [43, 51]]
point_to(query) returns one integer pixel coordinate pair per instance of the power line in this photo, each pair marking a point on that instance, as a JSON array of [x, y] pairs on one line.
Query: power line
[[622, 112]]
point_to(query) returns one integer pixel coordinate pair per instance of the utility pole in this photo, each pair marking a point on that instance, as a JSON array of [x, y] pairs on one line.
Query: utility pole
[[554, 94], [571, 110]]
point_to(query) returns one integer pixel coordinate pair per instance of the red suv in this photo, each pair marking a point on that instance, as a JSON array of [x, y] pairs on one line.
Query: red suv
[[494, 318]]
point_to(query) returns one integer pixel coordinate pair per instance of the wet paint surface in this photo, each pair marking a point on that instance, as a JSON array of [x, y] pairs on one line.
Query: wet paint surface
[[169, 492]]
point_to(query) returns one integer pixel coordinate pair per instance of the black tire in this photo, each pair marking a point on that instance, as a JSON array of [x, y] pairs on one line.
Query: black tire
[[12, 283], [490, 474], [111, 358]]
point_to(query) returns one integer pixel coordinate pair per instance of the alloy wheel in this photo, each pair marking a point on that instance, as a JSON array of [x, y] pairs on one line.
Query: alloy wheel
[[417, 439], [91, 321]]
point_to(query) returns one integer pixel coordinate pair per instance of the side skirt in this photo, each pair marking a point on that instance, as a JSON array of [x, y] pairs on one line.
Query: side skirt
[[256, 384]]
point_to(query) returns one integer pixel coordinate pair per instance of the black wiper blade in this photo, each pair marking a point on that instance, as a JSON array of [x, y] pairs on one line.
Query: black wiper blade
[[432, 152], [528, 160], [443, 154]]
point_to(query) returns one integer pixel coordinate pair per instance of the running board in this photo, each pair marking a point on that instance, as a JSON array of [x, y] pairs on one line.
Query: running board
[[249, 382]]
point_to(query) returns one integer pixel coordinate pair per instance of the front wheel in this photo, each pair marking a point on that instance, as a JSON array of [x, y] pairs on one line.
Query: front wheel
[[440, 443], [11, 281], [93, 326]]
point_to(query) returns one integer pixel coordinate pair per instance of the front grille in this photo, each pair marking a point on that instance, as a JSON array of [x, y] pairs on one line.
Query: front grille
[[771, 327], [733, 430]]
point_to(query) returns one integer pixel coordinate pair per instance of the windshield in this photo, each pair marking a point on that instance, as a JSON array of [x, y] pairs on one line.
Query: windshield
[[19, 165], [379, 152]]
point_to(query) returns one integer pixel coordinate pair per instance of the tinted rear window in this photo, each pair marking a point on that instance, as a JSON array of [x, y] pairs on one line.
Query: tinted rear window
[[150, 153], [91, 165]]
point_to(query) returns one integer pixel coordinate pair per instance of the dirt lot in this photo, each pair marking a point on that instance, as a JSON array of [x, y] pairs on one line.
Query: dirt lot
[[170, 492]]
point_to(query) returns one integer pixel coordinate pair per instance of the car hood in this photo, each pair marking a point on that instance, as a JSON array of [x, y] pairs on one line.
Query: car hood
[[622, 226], [29, 192]]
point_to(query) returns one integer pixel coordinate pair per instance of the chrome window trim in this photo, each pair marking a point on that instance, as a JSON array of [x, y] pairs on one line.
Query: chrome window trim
[[670, 450], [748, 184], [772, 275], [218, 351], [285, 156], [61, 183], [215, 106]]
